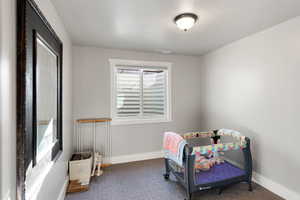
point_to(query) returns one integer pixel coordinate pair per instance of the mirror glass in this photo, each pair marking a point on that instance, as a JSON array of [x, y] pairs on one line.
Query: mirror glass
[[46, 99]]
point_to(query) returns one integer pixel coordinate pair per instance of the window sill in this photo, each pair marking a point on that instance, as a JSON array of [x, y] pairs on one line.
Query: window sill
[[117, 122]]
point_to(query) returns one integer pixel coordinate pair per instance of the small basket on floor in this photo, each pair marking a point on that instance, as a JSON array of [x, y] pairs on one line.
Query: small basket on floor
[[80, 167]]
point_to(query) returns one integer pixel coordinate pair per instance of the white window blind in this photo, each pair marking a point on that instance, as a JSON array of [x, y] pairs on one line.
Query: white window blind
[[154, 92], [141, 92], [128, 96]]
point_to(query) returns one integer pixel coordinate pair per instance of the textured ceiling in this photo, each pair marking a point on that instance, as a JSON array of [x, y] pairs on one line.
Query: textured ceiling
[[147, 25]]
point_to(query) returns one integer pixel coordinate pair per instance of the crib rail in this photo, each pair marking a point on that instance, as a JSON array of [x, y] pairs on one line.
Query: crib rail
[[216, 146]]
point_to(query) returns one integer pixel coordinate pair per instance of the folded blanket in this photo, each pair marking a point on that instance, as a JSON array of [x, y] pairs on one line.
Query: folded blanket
[[173, 145]]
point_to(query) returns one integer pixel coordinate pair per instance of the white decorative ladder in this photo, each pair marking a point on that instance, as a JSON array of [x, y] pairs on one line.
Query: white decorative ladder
[[85, 140]]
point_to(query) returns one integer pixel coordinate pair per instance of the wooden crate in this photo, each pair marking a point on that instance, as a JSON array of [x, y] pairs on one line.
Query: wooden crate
[[75, 186]]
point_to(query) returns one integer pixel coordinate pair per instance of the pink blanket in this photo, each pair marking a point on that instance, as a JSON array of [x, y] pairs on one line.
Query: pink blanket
[[173, 145]]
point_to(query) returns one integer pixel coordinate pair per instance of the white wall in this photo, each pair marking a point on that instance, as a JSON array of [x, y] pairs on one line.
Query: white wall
[[252, 85], [91, 94], [7, 101], [54, 180]]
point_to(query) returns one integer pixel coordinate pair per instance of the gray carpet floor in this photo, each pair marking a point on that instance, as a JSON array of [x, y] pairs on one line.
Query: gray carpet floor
[[144, 181]]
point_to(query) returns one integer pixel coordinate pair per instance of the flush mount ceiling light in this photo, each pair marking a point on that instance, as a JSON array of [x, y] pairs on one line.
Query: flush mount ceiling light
[[185, 21]]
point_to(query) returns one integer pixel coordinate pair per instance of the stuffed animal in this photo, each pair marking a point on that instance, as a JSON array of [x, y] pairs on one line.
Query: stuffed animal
[[202, 163], [97, 165]]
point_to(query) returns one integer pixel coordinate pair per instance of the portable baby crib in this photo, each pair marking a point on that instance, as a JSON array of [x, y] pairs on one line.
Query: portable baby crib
[[220, 175]]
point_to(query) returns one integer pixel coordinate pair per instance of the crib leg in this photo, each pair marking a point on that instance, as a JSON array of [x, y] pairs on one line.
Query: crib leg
[[220, 191], [167, 174], [250, 186], [189, 196]]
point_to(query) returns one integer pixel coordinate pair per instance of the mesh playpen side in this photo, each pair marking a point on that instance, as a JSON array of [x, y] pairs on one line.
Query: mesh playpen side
[[218, 176]]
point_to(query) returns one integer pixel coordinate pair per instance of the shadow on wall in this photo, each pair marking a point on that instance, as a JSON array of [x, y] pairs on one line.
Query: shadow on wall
[[255, 148]]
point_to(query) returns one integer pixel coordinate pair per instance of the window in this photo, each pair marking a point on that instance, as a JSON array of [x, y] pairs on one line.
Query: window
[[140, 91]]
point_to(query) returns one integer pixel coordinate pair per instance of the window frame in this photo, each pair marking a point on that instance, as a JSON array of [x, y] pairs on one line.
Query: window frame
[[114, 64]]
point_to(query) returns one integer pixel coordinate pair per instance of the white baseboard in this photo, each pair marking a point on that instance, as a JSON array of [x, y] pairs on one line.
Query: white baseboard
[[275, 187], [271, 185], [63, 190], [136, 157]]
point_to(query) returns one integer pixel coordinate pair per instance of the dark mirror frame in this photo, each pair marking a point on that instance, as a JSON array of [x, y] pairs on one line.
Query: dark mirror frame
[[30, 22]]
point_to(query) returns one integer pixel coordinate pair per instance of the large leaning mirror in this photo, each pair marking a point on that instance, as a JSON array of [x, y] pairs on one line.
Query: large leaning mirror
[[39, 94], [46, 99]]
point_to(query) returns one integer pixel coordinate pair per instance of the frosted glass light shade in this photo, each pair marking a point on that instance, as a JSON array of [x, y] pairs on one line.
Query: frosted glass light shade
[[185, 21]]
